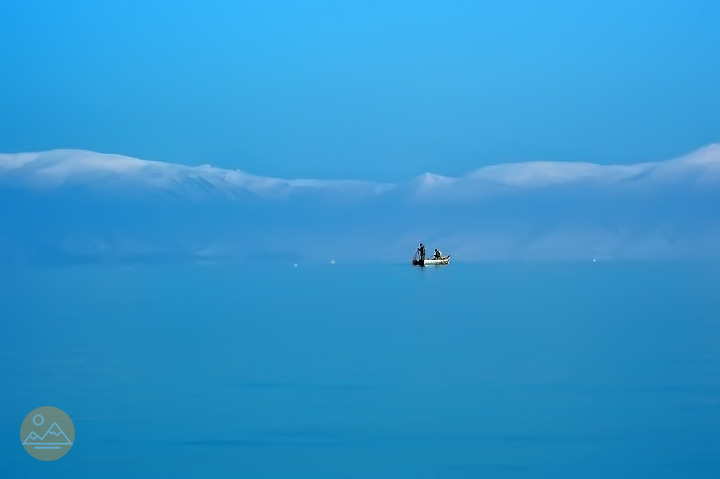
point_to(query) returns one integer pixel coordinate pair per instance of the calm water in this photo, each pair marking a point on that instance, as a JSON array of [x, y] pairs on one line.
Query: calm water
[[590, 370]]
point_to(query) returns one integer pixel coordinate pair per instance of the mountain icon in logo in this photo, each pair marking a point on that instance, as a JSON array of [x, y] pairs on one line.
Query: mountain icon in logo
[[52, 437], [43, 442]]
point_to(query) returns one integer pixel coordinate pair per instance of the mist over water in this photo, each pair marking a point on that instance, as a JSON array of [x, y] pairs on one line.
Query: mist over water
[[575, 369], [87, 207]]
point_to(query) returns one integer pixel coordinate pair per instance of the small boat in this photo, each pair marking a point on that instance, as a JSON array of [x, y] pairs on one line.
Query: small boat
[[431, 262]]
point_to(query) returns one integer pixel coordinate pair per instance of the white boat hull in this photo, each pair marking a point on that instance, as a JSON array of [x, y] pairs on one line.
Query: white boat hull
[[432, 262]]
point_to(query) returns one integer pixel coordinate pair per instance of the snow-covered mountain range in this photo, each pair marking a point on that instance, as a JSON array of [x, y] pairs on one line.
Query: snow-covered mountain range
[[75, 205]]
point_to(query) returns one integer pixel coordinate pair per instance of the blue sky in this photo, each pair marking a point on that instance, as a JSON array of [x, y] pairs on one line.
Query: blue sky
[[376, 90]]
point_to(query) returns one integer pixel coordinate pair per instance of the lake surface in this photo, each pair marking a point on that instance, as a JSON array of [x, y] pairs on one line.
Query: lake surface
[[544, 370]]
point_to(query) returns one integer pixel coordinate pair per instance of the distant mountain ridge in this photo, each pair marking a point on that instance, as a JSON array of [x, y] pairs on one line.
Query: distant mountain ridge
[[77, 205], [58, 167]]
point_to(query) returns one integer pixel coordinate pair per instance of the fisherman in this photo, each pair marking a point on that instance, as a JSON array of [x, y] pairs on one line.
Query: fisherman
[[438, 254], [421, 251]]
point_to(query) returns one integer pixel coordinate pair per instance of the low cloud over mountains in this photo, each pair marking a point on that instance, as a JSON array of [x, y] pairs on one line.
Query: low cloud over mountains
[[72, 205]]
